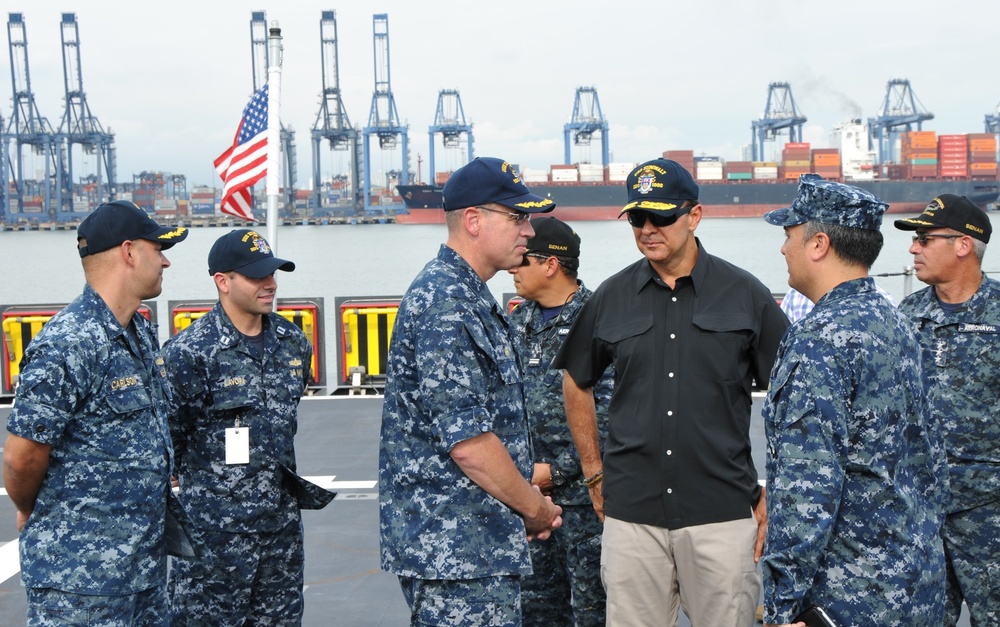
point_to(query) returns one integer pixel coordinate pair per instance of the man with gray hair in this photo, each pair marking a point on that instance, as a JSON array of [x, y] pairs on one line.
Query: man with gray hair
[[957, 322], [855, 465]]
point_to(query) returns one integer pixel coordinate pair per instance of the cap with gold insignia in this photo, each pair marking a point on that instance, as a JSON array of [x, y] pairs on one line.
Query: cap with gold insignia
[[119, 221], [949, 211], [490, 180]]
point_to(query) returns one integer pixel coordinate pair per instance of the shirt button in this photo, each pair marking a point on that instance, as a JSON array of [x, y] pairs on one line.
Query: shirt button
[[669, 452], [671, 375], [670, 412], [670, 490], [672, 336], [674, 299]]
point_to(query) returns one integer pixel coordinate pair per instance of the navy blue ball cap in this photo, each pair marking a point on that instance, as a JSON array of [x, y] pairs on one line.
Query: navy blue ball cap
[[949, 211], [247, 252], [828, 202], [554, 237], [490, 180], [660, 186], [119, 221]]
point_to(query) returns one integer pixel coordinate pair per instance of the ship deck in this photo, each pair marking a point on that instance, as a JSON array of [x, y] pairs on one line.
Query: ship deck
[[337, 446]]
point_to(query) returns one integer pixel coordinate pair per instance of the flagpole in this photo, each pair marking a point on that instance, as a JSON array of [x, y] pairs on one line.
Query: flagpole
[[273, 132]]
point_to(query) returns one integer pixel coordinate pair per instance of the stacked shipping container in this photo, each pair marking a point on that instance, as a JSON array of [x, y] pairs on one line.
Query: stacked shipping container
[[982, 155], [795, 160], [826, 163], [953, 156]]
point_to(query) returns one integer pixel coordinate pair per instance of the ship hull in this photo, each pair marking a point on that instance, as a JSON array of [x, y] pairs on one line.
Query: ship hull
[[602, 201]]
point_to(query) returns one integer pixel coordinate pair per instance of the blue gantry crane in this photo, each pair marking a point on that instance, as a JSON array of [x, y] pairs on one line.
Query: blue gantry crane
[[383, 120], [27, 128], [899, 112], [587, 119], [449, 120], [260, 56], [780, 114], [81, 128], [332, 122]]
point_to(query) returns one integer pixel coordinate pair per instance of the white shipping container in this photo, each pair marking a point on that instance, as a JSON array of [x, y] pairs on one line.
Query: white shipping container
[[535, 175], [618, 178], [709, 177], [620, 168], [595, 177], [564, 176], [765, 172], [590, 167], [708, 172]]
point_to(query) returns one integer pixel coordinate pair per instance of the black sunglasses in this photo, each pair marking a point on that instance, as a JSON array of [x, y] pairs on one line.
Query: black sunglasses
[[525, 262], [637, 218]]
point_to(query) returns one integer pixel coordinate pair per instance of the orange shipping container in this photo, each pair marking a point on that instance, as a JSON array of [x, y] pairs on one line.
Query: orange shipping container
[[983, 167]]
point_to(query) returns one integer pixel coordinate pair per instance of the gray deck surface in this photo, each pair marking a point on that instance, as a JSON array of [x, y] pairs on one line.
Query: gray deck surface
[[344, 586]]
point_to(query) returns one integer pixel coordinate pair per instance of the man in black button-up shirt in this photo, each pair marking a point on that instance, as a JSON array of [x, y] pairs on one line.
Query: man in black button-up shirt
[[688, 335]]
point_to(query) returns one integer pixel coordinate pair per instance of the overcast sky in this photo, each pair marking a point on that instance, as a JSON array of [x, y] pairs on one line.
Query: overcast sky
[[170, 79]]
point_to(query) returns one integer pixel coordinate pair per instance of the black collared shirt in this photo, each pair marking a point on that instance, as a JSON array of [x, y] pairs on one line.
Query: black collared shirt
[[678, 447]]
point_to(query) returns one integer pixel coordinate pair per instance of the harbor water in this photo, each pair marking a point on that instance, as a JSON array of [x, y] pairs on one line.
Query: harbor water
[[43, 267]]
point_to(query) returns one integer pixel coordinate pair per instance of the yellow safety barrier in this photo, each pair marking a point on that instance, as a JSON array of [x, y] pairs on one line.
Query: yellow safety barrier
[[305, 319], [303, 316], [183, 317], [17, 333], [21, 323], [366, 330]]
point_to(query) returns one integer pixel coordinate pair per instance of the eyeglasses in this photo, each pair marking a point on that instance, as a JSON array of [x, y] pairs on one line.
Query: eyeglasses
[[638, 218], [517, 217], [525, 262], [921, 238]]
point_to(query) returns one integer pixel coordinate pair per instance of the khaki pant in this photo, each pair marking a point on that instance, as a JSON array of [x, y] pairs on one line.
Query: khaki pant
[[649, 572]]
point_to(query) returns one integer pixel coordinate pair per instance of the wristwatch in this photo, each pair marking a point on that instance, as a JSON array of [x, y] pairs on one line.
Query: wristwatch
[[558, 479]]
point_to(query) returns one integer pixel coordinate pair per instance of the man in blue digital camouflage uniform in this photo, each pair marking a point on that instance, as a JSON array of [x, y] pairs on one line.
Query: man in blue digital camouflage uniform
[[957, 321], [88, 459], [565, 587], [236, 376], [455, 503], [855, 467]]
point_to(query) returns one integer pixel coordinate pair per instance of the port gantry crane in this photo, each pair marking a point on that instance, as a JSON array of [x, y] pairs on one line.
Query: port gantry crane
[[383, 120], [81, 128], [27, 127], [780, 113], [260, 56], [587, 119], [332, 123], [449, 120], [992, 121], [900, 110]]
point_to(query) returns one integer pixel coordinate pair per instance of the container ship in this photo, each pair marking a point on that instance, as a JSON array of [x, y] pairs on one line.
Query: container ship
[[929, 165]]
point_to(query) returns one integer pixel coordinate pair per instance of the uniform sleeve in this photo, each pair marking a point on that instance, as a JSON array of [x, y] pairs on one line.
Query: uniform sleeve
[[55, 379], [454, 355], [807, 432]]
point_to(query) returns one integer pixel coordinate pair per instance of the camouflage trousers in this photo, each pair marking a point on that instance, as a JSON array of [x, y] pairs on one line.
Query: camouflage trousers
[[566, 587], [249, 578], [48, 607], [482, 602], [972, 553]]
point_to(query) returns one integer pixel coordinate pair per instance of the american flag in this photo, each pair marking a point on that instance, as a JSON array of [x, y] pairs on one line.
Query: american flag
[[245, 162]]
